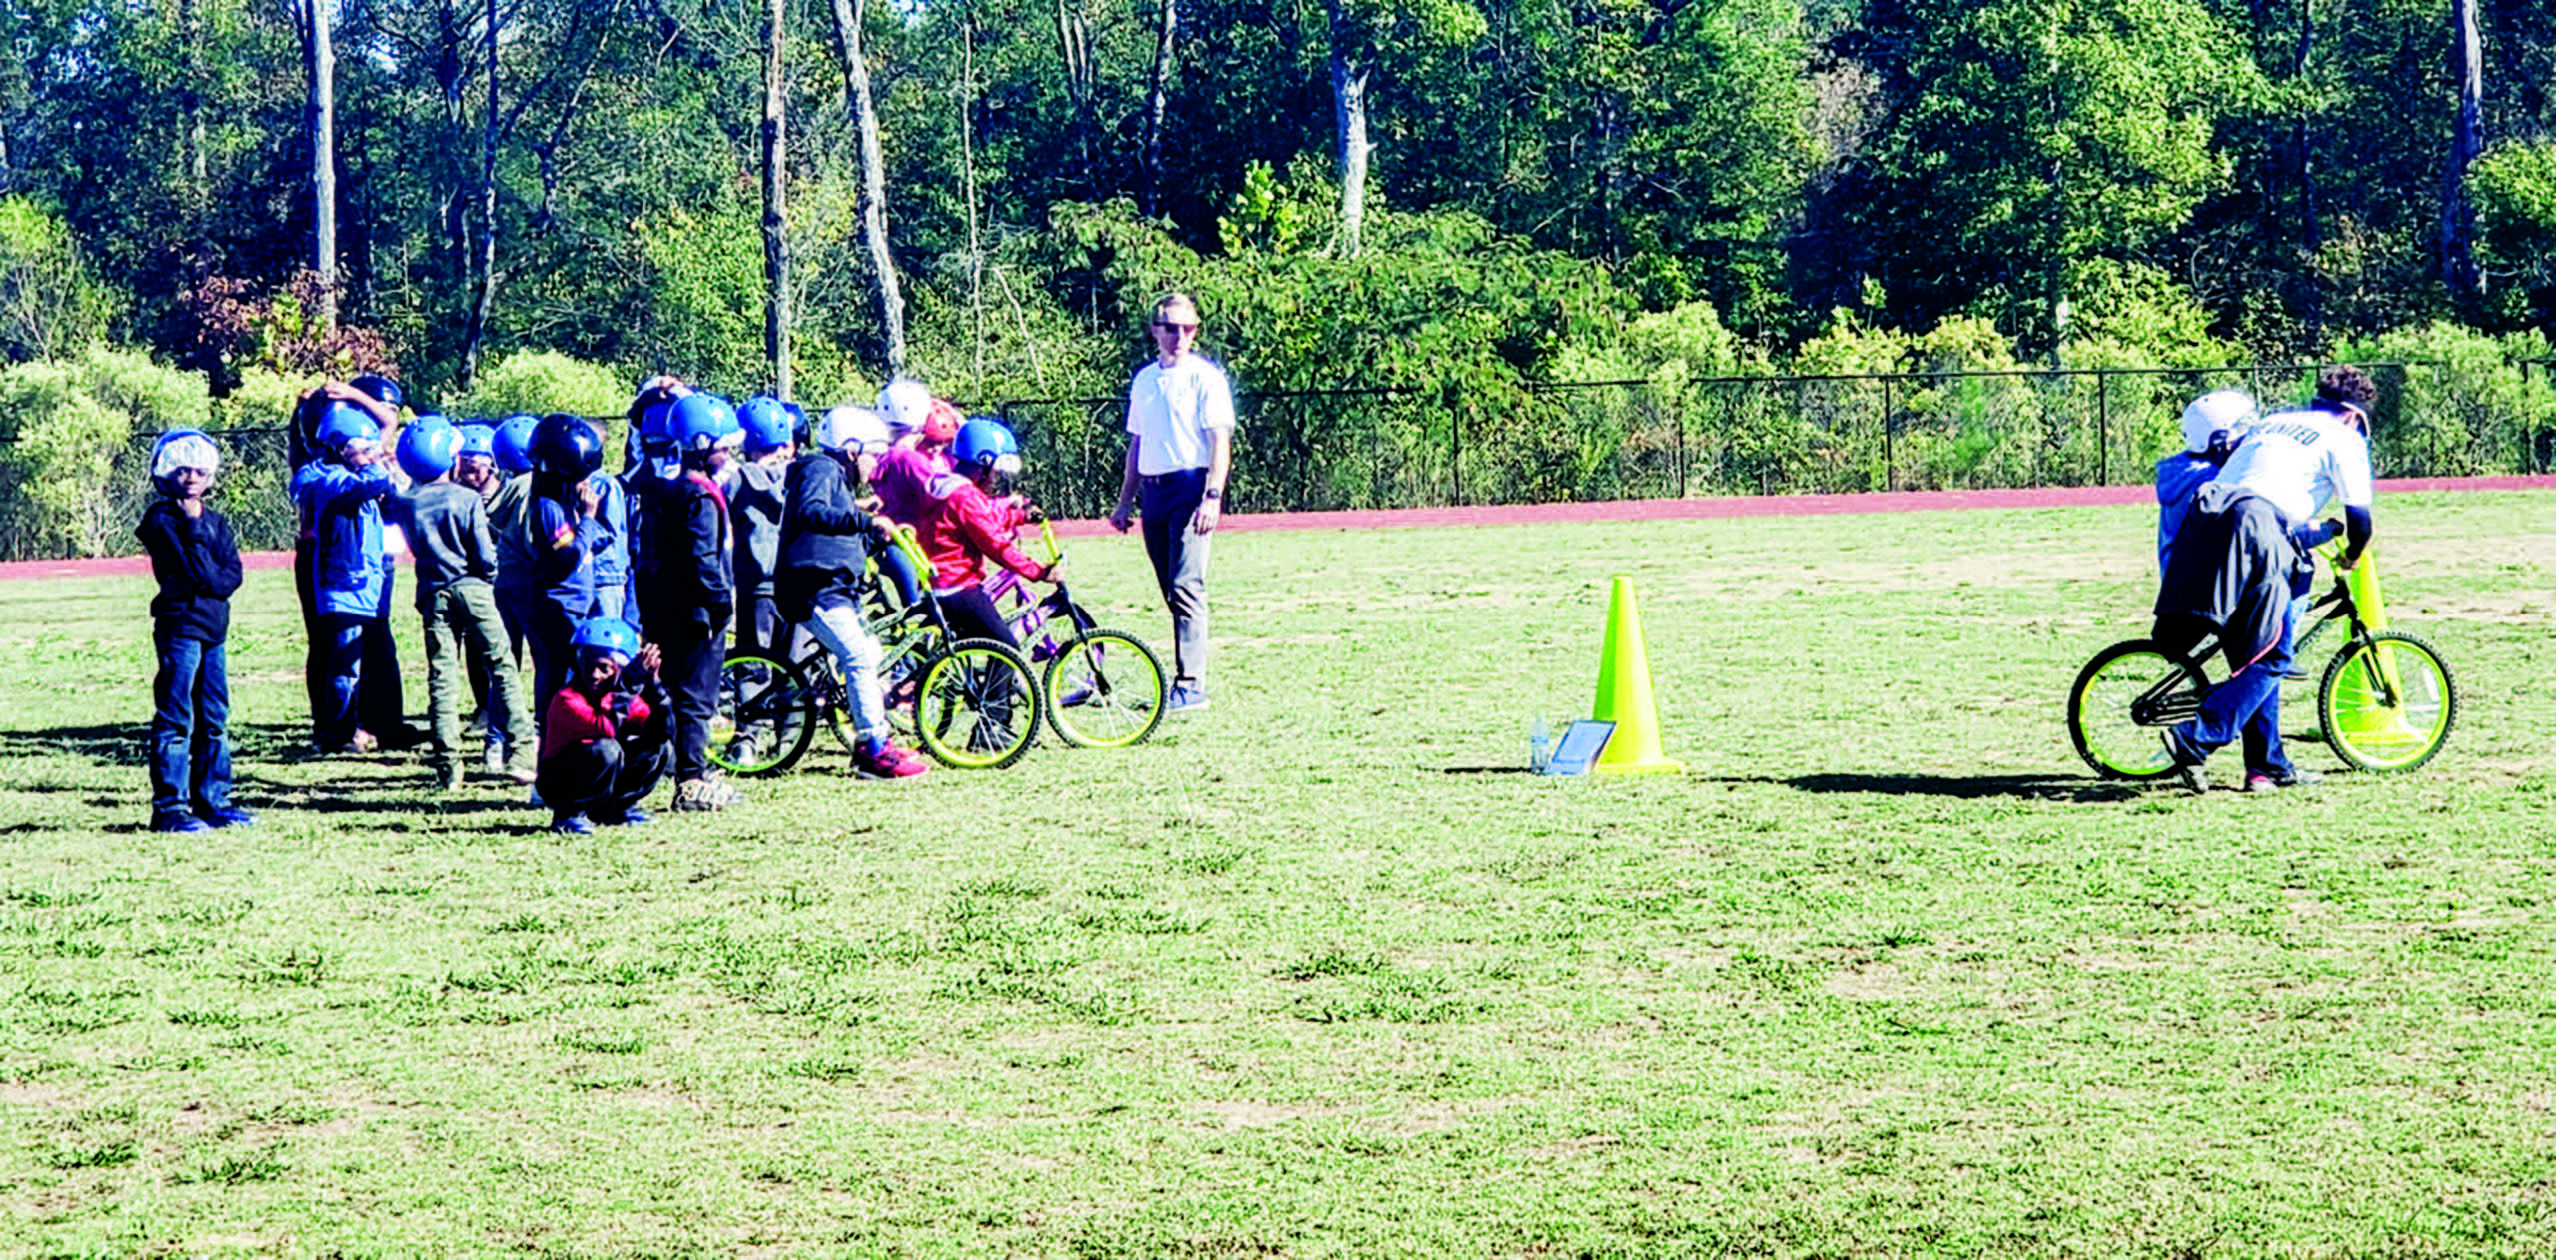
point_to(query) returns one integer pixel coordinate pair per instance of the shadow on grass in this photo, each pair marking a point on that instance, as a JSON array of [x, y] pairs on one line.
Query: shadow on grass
[[1967, 787]]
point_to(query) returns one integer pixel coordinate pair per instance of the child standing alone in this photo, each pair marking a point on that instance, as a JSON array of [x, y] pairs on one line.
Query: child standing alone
[[196, 560]]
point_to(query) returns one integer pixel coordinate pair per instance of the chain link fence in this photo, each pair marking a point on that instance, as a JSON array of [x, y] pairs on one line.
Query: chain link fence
[[1353, 449], [1318, 450]]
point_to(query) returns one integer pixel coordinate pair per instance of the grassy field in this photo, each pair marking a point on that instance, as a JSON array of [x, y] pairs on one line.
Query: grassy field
[[1319, 973]]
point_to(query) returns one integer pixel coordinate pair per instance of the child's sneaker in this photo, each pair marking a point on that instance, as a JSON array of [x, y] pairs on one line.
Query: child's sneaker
[[703, 795], [448, 776], [631, 817], [492, 756], [572, 825], [228, 816], [887, 761], [180, 824]]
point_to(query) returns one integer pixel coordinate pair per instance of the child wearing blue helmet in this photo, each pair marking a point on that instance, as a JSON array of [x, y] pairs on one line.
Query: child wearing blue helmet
[[603, 741], [340, 495], [757, 492], [196, 560], [687, 586], [456, 559]]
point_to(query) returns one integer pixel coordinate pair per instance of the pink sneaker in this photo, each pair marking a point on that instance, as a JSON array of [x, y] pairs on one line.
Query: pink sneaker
[[888, 761]]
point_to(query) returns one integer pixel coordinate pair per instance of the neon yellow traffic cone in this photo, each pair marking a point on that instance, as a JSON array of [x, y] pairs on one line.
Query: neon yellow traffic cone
[[1624, 693]]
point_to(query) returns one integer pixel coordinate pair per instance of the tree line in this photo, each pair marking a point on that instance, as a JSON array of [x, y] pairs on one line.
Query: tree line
[[1462, 196]]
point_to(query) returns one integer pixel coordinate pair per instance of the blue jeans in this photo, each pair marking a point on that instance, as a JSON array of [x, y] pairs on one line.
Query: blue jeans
[[190, 735], [2247, 705], [341, 648]]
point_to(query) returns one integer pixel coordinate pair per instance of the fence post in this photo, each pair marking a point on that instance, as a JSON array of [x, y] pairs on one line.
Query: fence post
[[1890, 442], [2103, 427], [1679, 446]]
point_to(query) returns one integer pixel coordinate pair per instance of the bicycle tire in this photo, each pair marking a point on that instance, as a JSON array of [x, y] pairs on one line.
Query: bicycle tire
[[1104, 689], [976, 706], [2353, 702], [2119, 702], [763, 722]]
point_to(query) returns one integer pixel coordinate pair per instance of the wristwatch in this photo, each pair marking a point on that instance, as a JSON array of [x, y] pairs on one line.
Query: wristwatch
[[1215, 494]]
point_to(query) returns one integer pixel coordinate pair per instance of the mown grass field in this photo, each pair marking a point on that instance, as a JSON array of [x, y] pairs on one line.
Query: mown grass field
[[1318, 973]]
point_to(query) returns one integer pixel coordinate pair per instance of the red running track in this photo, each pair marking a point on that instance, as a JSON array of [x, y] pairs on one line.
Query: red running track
[[1524, 514]]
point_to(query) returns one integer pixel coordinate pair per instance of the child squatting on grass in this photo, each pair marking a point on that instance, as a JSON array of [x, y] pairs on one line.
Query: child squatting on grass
[[603, 747], [196, 561]]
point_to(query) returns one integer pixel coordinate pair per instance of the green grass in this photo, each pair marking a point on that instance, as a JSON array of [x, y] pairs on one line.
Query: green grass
[[1316, 973]]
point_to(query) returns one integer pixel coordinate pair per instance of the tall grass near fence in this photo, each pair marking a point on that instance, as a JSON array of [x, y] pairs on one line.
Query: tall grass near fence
[[1317, 972]]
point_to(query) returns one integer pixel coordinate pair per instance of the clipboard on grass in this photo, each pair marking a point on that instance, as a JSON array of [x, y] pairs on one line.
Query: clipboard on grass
[[1580, 746]]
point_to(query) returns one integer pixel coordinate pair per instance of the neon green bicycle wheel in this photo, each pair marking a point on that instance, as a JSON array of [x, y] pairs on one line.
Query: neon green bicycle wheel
[[2387, 702], [2119, 703], [763, 721], [1104, 689], [976, 706]]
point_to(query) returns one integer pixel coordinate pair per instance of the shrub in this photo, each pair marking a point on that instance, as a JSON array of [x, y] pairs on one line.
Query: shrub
[[541, 382], [74, 441], [2461, 405]]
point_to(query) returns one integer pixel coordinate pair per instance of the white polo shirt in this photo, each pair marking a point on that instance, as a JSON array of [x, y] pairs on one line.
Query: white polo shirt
[[1170, 410]]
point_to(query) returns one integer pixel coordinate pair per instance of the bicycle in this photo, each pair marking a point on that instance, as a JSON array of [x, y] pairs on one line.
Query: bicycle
[[1103, 688], [2385, 703], [971, 704]]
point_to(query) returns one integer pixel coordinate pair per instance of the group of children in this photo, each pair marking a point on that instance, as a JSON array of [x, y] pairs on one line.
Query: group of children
[[623, 589]]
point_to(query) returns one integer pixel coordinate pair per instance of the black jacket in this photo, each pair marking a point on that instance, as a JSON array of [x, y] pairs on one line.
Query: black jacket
[[825, 540], [197, 562], [2229, 575], [685, 572]]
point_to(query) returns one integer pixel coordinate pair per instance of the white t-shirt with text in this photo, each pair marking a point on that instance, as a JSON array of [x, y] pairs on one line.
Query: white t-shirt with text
[[2302, 461]]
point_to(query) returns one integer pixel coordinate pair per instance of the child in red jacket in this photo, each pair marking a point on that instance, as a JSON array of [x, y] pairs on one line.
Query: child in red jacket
[[603, 747], [963, 525]]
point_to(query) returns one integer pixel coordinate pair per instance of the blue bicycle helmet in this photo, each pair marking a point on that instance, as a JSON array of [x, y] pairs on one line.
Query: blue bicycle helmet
[[514, 444], [478, 439], [345, 423], [702, 421], [607, 636], [428, 447], [767, 425], [985, 443]]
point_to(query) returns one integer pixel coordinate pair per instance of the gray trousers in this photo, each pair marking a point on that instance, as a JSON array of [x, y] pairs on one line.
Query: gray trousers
[[464, 632], [1169, 506]]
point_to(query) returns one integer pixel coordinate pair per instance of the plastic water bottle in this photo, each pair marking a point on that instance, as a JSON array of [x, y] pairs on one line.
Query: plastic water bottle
[[1539, 745]]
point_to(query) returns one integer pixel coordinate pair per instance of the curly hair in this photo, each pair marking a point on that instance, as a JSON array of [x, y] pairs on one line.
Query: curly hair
[[2347, 386]]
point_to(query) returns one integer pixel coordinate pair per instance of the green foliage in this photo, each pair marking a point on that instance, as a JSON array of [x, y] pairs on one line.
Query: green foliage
[[2463, 404], [50, 307], [73, 449], [704, 321], [541, 382], [2513, 186]]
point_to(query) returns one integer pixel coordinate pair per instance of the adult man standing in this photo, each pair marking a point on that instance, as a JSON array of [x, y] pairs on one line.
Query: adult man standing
[[1180, 425], [2233, 564]]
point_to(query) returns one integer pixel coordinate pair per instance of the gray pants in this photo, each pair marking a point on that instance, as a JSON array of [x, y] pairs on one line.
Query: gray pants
[[1169, 504], [463, 631]]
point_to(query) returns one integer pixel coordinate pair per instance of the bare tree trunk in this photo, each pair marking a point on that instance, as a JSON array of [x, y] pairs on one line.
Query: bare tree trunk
[[483, 308], [967, 175], [2467, 141], [1074, 50], [776, 244], [1349, 114], [1149, 179], [191, 98], [848, 16], [319, 57], [2313, 239]]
